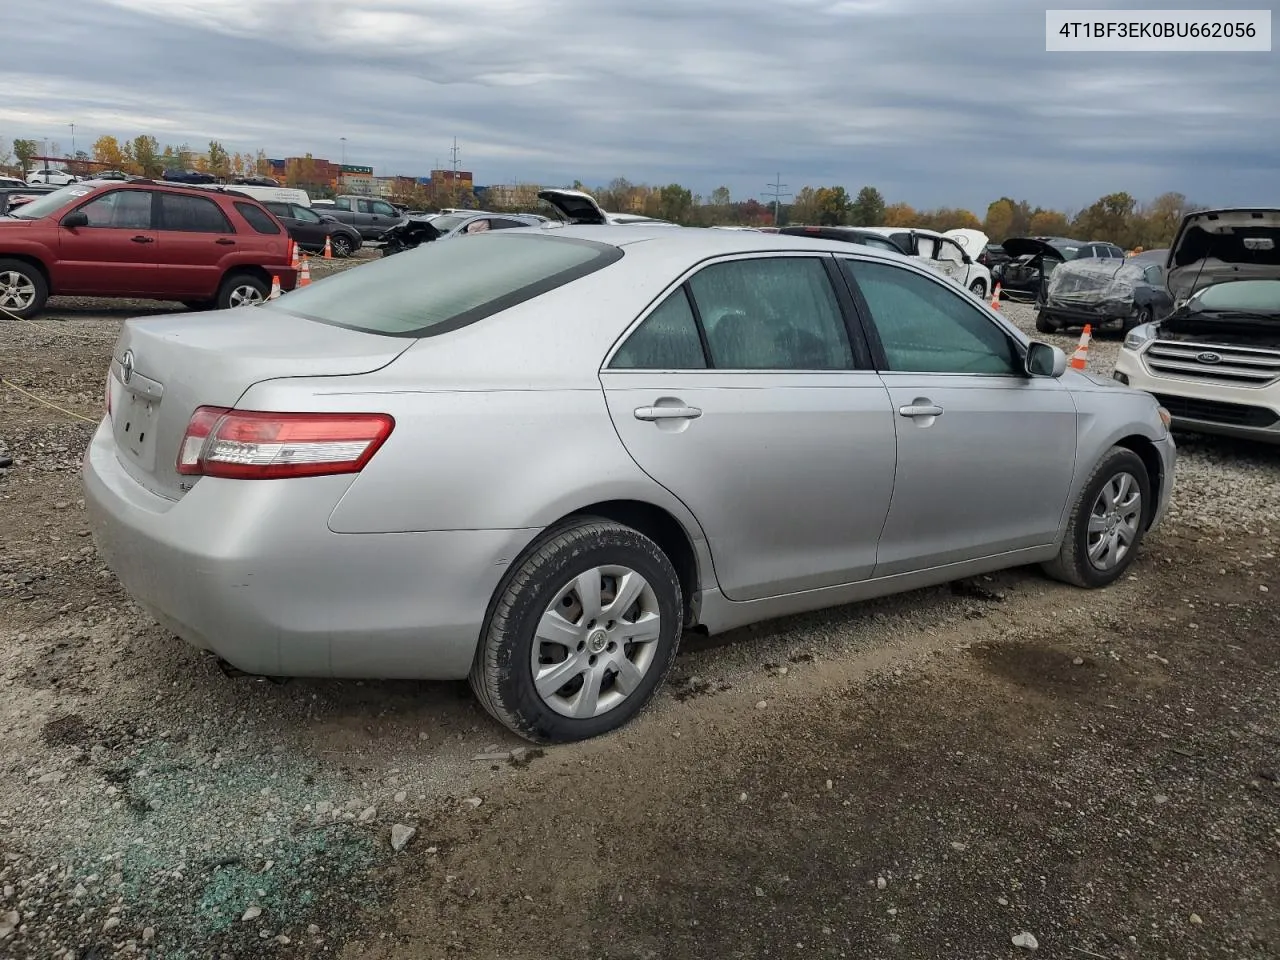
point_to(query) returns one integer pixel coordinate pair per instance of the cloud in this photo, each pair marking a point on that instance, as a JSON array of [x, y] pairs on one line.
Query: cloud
[[933, 101]]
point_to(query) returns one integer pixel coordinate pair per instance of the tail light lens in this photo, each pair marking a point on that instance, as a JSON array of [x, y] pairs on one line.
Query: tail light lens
[[259, 445]]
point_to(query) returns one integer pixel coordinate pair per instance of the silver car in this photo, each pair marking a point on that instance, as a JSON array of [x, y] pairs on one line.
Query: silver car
[[535, 458]]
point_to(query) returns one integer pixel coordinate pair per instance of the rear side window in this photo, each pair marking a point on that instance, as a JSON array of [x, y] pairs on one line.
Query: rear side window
[[444, 286], [187, 214], [257, 218], [666, 340]]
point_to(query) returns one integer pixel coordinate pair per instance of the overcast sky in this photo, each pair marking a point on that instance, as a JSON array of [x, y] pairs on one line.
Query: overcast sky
[[936, 102]]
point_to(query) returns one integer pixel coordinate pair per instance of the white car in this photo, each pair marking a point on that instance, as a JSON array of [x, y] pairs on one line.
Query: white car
[[1214, 361], [943, 253], [49, 175], [581, 208]]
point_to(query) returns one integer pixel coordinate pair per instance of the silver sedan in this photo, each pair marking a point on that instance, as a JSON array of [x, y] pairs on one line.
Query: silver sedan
[[534, 459]]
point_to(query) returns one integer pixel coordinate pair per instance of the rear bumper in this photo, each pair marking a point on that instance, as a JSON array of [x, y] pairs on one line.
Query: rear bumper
[[1250, 413], [250, 571], [1103, 313]]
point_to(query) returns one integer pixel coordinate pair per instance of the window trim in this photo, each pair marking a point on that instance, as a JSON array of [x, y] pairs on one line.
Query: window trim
[[862, 358], [880, 360]]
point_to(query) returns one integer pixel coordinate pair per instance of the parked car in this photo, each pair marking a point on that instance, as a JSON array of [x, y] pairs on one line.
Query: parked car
[[255, 181], [415, 231], [1214, 361], [50, 175], [1105, 293], [942, 253], [992, 255], [140, 239], [188, 176], [626, 433], [8, 182], [13, 197], [581, 208], [112, 175], [309, 229], [370, 216], [1034, 260], [868, 238]]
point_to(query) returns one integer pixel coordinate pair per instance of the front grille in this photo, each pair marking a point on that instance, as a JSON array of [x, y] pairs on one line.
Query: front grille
[[1242, 366], [1212, 411]]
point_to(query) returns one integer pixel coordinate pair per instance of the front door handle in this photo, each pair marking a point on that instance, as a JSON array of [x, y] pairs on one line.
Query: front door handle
[[141, 239], [919, 409], [667, 413], [225, 242]]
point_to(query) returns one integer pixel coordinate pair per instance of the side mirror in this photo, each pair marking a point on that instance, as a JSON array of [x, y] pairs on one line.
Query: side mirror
[[1045, 360], [76, 218], [328, 218]]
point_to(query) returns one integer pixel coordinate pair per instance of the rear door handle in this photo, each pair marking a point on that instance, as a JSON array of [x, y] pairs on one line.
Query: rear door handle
[[920, 410], [142, 239], [667, 413], [225, 242]]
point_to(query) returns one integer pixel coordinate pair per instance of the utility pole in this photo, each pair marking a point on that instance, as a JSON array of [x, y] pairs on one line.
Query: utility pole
[[777, 194], [73, 141], [453, 184], [344, 150]]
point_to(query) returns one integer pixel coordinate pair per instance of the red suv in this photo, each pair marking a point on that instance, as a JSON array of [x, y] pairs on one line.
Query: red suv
[[208, 248]]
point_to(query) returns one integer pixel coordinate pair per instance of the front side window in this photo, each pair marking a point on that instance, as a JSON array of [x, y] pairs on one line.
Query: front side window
[[771, 314], [950, 252], [667, 339], [303, 214], [121, 209], [1153, 274], [187, 214], [443, 286], [926, 327]]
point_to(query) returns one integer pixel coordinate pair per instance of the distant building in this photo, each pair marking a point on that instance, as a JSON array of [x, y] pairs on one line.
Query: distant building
[[511, 196], [395, 186], [357, 180]]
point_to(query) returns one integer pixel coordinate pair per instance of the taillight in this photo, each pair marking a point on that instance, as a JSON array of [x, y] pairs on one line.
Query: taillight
[[260, 445]]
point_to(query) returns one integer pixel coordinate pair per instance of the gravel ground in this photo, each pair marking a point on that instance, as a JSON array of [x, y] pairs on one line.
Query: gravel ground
[[932, 775]]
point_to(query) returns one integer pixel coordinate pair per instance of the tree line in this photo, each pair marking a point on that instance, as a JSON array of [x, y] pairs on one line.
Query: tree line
[[142, 156]]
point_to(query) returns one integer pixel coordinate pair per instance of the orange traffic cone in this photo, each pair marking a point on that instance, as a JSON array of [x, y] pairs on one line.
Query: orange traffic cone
[[304, 276], [328, 249], [995, 297], [275, 287], [293, 256], [1080, 359]]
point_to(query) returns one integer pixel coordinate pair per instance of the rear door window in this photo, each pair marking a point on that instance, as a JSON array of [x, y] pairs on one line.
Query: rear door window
[[384, 209], [444, 286], [667, 339], [257, 219], [187, 214]]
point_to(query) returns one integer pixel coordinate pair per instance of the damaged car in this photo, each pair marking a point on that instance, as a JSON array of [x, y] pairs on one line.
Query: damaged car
[[1214, 361], [1105, 292], [1035, 258]]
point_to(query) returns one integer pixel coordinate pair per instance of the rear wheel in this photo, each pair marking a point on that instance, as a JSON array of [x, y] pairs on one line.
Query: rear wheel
[[340, 245], [583, 631], [1107, 522], [1044, 324], [23, 290], [198, 304], [979, 289], [242, 290]]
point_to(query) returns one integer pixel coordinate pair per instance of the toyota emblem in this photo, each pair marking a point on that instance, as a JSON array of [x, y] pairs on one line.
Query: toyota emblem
[[1208, 357], [126, 366]]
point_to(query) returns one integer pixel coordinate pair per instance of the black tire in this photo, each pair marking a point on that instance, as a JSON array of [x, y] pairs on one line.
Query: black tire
[[1138, 319], [34, 292], [341, 245], [1072, 564], [1044, 324], [240, 281], [979, 289], [502, 674], [198, 305]]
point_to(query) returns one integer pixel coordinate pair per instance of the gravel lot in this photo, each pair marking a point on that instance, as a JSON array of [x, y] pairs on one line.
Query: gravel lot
[[931, 775]]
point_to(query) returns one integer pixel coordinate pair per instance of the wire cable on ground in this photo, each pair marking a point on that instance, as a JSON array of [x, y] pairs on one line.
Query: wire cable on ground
[[52, 406]]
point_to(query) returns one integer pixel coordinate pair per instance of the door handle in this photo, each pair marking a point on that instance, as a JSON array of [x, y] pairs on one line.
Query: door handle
[[667, 413], [142, 239], [920, 410], [225, 242]]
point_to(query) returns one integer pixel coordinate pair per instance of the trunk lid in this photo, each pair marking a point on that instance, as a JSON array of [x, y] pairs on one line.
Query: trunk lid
[[1212, 246], [163, 368], [1093, 281], [575, 206]]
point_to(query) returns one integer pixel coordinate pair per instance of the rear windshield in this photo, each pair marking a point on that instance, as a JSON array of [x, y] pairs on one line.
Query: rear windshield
[[440, 287]]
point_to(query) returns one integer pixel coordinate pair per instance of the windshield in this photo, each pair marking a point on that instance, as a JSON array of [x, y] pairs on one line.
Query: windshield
[[51, 202], [1252, 296], [441, 287], [446, 222]]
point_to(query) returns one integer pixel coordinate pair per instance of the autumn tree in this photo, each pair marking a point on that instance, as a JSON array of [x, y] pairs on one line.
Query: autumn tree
[[146, 157], [675, 203], [721, 205], [107, 150], [218, 160], [900, 215], [1109, 218], [833, 205], [1049, 223], [868, 208], [24, 150]]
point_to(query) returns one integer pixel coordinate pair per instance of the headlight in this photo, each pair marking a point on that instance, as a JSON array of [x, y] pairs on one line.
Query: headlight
[[1139, 337]]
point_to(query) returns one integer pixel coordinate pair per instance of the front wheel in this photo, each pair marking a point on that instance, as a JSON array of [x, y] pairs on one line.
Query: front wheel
[[23, 290], [1141, 316], [242, 290], [1044, 324], [340, 245], [979, 289], [584, 630], [1107, 522]]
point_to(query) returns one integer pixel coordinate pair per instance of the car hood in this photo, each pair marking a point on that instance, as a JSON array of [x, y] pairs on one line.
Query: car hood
[[973, 242], [575, 206], [1213, 246], [1030, 246]]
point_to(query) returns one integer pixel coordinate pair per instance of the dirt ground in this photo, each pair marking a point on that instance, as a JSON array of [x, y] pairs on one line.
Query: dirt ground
[[930, 775]]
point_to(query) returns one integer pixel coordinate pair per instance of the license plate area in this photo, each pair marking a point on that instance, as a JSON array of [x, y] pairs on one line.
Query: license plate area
[[135, 427]]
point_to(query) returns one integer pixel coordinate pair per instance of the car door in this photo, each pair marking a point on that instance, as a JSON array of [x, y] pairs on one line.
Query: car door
[[745, 395], [985, 452], [196, 239], [116, 254], [308, 227], [949, 257]]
